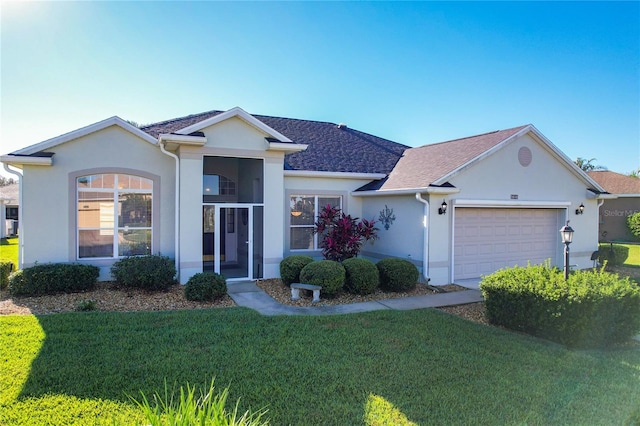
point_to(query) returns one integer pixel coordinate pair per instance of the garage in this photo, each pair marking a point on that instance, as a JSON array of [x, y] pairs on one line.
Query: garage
[[488, 239]]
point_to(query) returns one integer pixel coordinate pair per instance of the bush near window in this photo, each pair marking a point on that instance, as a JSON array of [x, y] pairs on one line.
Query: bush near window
[[328, 274], [591, 309], [205, 286], [52, 278], [6, 266], [361, 276], [291, 266], [342, 236], [152, 272], [397, 274]]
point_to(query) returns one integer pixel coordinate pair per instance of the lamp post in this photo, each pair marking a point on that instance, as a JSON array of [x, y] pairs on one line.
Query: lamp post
[[567, 235]]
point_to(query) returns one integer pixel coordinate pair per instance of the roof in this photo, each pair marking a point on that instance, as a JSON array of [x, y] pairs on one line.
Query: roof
[[616, 183], [10, 194], [431, 164], [331, 148]]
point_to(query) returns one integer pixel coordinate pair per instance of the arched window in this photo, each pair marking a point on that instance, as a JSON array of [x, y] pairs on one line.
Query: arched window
[[114, 215]]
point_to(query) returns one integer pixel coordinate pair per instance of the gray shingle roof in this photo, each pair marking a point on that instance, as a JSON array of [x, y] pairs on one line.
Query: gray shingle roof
[[330, 148], [423, 166]]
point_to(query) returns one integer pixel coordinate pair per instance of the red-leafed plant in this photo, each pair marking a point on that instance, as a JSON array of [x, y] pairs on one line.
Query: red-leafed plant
[[342, 236]]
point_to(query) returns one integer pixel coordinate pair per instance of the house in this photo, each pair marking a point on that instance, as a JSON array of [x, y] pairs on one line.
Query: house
[[235, 193], [9, 206], [614, 212]]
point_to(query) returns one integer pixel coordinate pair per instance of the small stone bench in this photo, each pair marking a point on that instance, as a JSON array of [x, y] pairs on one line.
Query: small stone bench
[[296, 287]]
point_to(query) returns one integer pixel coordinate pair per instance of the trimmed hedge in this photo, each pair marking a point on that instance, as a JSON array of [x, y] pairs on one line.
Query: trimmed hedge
[[590, 309], [205, 286], [291, 266], [328, 274], [612, 254], [52, 278], [361, 276], [6, 266], [152, 272], [397, 274]]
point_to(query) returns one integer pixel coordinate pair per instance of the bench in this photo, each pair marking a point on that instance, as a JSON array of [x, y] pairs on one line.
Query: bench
[[296, 287]]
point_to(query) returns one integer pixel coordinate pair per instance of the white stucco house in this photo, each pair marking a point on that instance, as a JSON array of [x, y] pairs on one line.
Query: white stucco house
[[235, 193]]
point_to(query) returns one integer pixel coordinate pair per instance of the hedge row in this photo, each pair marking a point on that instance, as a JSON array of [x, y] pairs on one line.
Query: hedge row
[[52, 278], [590, 309], [6, 266], [356, 275]]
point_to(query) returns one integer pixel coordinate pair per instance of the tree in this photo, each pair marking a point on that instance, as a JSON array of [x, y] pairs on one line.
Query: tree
[[635, 173], [4, 181], [587, 166], [342, 236]]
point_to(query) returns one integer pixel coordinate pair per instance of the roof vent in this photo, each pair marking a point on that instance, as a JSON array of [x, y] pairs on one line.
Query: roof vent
[[342, 126]]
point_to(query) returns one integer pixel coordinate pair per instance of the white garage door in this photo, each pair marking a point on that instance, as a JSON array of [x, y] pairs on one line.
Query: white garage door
[[486, 239]]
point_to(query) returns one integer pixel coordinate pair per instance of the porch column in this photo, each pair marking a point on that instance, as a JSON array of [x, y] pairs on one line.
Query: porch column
[[190, 215]]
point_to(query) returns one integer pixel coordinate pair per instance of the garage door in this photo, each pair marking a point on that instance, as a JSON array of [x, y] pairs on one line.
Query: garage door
[[486, 239]]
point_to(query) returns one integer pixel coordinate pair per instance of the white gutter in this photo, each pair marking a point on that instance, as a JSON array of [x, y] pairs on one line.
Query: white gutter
[[425, 238], [428, 190], [333, 175], [20, 207], [161, 143]]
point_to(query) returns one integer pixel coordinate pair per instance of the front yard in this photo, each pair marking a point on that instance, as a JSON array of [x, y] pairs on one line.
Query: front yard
[[78, 368]]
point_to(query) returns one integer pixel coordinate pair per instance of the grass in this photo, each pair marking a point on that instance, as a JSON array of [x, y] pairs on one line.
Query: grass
[[9, 250], [422, 367]]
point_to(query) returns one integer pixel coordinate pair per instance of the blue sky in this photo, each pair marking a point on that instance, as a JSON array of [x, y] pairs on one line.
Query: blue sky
[[415, 73]]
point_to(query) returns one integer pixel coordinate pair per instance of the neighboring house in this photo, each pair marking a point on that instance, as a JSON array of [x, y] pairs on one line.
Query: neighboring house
[[614, 212], [235, 193], [9, 208]]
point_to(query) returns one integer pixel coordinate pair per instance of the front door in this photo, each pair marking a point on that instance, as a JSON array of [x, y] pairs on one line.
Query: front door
[[227, 243]]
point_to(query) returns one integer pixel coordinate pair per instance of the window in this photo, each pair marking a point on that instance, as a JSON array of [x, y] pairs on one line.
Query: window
[[114, 215], [217, 185], [304, 210]]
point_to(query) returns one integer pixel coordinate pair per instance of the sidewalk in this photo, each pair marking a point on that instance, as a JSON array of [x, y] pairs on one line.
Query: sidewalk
[[249, 295]]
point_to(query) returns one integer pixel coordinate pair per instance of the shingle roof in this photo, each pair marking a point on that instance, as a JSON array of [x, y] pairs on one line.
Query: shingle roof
[[423, 166], [616, 183], [330, 148]]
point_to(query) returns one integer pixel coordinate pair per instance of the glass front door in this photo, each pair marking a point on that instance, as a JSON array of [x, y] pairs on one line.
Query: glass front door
[[227, 243]]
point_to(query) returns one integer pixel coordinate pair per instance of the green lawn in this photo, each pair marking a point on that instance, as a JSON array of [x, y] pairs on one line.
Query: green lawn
[[433, 368], [9, 250]]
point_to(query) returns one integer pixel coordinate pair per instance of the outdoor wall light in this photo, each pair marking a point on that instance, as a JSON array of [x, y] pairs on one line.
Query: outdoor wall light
[[443, 208], [567, 236], [580, 209]]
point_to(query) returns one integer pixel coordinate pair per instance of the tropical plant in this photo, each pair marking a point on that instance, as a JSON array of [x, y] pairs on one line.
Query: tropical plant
[[341, 235], [587, 165]]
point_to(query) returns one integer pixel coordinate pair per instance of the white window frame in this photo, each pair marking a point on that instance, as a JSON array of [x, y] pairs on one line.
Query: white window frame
[[315, 217], [114, 192]]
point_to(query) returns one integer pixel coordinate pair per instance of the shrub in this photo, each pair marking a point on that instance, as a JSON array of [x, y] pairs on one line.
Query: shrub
[[633, 223], [328, 274], [6, 266], [612, 254], [86, 305], [205, 286], [342, 236], [291, 266], [590, 309], [152, 272], [52, 278], [397, 274], [361, 276]]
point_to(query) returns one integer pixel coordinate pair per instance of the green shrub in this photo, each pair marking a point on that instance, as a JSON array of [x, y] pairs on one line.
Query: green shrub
[[6, 266], [152, 272], [361, 276], [52, 278], [205, 286], [328, 274], [612, 254], [397, 274], [590, 309], [86, 305], [633, 223], [291, 266]]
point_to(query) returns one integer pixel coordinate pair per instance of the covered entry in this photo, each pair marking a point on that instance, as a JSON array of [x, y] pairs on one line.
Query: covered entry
[[488, 239]]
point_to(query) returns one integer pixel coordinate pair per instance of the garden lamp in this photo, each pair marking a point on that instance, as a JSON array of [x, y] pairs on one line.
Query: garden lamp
[[567, 236]]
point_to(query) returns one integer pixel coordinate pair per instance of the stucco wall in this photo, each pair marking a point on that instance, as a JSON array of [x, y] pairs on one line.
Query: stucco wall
[[49, 205], [613, 219]]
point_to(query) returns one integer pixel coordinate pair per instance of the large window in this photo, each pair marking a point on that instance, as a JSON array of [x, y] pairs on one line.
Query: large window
[[304, 211], [114, 215]]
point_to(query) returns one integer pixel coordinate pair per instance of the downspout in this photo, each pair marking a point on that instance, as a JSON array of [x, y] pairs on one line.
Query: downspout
[[177, 206], [425, 236], [20, 206]]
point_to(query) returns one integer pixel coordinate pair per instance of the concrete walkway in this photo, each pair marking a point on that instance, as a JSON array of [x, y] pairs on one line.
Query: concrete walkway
[[249, 295]]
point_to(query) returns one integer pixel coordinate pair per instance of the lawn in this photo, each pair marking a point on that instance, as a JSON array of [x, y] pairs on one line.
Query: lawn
[[78, 368], [9, 250]]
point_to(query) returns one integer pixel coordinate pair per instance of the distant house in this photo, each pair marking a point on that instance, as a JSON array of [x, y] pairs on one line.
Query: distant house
[[235, 193], [614, 212], [9, 207]]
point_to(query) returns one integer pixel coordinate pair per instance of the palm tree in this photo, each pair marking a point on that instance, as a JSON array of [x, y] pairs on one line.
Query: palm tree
[[586, 165], [635, 173]]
